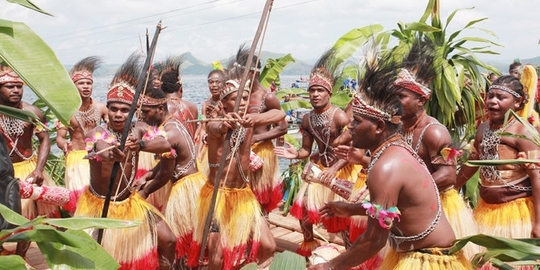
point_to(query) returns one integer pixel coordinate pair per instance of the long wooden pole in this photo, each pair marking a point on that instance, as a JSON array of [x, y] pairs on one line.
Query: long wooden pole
[[226, 145], [143, 78]]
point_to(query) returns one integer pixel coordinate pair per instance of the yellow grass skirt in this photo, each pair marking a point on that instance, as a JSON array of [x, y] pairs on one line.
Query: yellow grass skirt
[[180, 210], [29, 208], [461, 219], [266, 182], [77, 171], [511, 220], [238, 216], [133, 248], [418, 260]]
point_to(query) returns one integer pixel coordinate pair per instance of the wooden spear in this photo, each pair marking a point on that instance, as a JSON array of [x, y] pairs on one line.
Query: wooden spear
[[226, 146], [143, 78]]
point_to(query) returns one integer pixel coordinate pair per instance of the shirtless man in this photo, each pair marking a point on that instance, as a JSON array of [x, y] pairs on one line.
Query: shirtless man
[[181, 169], [150, 245], [180, 108], [18, 135], [400, 189], [238, 219], [321, 126], [430, 139], [90, 114], [266, 181]]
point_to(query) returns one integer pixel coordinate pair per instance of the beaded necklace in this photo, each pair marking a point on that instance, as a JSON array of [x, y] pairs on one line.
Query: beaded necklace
[[88, 118], [409, 132], [321, 127]]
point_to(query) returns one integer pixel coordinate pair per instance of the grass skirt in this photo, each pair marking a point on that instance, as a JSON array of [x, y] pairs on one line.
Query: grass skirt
[[202, 160], [511, 219], [238, 216], [159, 197], [418, 260], [134, 248], [180, 210], [266, 182], [312, 196], [77, 174], [29, 208], [461, 219]]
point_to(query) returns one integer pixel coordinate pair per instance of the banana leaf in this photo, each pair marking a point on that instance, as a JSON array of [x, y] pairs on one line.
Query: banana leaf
[[70, 249], [288, 260], [501, 250], [273, 68], [34, 61], [13, 262], [30, 5]]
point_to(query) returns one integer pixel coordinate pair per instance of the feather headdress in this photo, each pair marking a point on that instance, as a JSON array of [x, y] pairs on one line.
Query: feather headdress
[[238, 63], [125, 81], [418, 69], [325, 72], [376, 97], [170, 74], [84, 69]]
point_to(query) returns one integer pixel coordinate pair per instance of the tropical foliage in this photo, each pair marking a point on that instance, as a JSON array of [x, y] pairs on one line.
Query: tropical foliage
[[32, 59], [69, 247]]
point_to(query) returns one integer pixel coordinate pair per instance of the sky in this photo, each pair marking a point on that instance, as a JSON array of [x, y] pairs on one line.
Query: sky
[[214, 29]]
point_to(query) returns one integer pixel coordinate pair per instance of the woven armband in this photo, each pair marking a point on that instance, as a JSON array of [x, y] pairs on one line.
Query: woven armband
[[385, 217]]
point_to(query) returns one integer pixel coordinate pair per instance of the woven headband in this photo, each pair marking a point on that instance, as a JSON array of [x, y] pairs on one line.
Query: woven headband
[[406, 80], [361, 108], [9, 76], [506, 89], [232, 86], [317, 79], [83, 74]]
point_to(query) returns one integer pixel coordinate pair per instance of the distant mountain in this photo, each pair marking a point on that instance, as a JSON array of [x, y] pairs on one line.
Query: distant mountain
[[195, 66]]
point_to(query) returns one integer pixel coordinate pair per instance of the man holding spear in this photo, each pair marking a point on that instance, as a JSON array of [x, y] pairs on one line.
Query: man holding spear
[[150, 245]]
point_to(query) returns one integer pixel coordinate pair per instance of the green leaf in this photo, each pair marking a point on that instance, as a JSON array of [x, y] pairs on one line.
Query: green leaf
[[13, 262], [498, 162], [273, 68], [89, 256], [288, 260], [25, 52], [81, 223], [30, 5], [48, 235], [349, 43], [11, 216], [295, 104]]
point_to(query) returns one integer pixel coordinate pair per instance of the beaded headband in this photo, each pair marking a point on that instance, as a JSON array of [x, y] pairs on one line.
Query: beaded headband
[[121, 92], [406, 80], [361, 108], [150, 101], [232, 86], [82, 74], [243, 67], [506, 89]]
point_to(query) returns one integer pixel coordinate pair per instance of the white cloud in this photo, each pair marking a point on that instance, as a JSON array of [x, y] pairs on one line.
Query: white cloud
[[213, 30]]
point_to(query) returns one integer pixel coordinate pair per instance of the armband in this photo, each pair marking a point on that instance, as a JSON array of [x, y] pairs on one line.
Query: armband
[[449, 156], [153, 132], [169, 155], [384, 216]]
